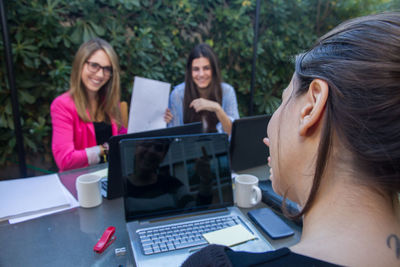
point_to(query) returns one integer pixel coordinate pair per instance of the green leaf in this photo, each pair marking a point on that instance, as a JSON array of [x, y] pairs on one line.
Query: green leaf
[[26, 97], [3, 121], [97, 29], [8, 107], [135, 3], [76, 36]]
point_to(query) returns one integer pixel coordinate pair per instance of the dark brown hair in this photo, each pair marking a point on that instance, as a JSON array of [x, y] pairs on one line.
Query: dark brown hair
[[360, 61], [191, 91]]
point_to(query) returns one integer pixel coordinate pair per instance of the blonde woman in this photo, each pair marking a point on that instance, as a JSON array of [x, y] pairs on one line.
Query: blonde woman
[[89, 113]]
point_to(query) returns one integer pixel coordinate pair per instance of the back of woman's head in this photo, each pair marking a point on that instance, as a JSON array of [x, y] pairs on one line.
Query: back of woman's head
[[109, 94], [360, 61]]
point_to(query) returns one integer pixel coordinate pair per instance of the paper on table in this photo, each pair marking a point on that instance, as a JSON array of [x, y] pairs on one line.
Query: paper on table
[[27, 196], [73, 204], [148, 104], [229, 236]]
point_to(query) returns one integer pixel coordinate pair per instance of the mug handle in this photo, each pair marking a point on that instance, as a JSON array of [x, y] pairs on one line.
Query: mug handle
[[255, 200]]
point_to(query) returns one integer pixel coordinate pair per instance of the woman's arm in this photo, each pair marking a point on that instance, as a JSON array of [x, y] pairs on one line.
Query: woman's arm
[[200, 104], [176, 106], [63, 147], [226, 113]]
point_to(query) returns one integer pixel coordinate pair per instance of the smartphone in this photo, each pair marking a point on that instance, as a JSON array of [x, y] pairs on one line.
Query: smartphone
[[270, 223]]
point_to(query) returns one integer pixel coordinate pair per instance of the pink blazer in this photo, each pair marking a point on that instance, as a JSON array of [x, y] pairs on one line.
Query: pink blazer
[[71, 135]]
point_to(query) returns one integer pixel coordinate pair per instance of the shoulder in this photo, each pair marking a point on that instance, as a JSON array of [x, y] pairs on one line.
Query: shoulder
[[212, 255], [227, 89], [63, 101], [178, 91], [280, 257], [228, 93]]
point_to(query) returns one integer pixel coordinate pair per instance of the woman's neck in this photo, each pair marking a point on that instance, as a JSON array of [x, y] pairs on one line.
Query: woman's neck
[[204, 92], [353, 221]]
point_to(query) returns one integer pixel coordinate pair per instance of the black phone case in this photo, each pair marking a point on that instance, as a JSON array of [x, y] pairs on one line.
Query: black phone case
[[270, 223]]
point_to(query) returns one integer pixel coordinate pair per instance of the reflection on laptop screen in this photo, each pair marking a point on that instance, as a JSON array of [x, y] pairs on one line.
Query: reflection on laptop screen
[[115, 186], [172, 175]]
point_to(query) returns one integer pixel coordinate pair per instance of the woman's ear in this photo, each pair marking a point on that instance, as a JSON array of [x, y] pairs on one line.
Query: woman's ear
[[314, 105]]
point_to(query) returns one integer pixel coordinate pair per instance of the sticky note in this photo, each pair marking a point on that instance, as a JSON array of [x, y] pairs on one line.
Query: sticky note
[[229, 236]]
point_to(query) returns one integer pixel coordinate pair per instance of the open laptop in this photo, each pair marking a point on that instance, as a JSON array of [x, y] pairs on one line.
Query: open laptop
[[247, 149], [173, 184], [112, 185]]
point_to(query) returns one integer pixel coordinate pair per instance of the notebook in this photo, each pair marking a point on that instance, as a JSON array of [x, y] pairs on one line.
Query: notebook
[[173, 184], [247, 149], [112, 184]]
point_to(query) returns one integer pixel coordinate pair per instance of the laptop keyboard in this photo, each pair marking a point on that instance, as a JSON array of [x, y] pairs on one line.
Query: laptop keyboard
[[180, 236]]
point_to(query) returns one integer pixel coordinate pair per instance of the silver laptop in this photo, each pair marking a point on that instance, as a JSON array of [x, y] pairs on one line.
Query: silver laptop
[[176, 189]]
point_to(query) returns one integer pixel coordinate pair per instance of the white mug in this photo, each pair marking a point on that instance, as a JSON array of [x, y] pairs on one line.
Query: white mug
[[247, 192], [88, 189]]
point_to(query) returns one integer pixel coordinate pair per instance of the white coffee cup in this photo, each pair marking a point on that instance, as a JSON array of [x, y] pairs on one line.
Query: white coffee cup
[[88, 189], [247, 192]]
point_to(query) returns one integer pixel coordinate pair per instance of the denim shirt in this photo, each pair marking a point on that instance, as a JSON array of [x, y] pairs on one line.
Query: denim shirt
[[229, 104]]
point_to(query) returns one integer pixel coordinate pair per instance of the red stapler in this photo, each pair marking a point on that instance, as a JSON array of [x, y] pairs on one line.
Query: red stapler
[[106, 239]]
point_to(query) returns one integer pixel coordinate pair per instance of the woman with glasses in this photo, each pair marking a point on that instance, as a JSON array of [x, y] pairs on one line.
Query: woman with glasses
[[89, 113], [203, 97]]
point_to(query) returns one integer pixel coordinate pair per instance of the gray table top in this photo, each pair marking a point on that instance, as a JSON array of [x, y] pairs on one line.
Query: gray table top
[[68, 237]]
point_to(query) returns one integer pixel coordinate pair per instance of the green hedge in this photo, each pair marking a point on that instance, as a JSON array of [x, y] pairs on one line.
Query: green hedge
[[152, 39]]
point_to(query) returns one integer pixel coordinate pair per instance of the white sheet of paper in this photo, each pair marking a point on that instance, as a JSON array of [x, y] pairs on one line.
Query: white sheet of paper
[[27, 196], [73, 204], [229, 236], [148, 104]]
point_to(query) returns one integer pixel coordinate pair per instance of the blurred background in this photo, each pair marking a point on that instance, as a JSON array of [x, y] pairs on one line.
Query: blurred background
[[152, 39]]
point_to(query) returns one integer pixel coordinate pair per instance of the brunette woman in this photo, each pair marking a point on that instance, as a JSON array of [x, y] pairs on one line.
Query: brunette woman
[[335, 150], [203, 97]]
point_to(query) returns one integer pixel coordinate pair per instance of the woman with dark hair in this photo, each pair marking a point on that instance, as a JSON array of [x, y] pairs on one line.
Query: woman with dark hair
[[85, 117], [335, 150], [203, 97]]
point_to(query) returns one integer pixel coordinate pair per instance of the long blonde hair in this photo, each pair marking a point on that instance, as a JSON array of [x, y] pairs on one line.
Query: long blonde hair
[[109, 94]]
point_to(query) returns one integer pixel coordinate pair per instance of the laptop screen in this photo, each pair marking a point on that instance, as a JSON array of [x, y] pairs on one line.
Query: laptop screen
[[171, 175], [115, 186], [247, 148]]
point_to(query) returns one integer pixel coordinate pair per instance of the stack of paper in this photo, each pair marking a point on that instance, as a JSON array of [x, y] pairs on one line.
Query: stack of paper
[[23, 199]]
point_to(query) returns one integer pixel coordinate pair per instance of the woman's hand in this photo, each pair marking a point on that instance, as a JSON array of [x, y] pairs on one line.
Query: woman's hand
[[266, 142], [201, 104], [168, 116]]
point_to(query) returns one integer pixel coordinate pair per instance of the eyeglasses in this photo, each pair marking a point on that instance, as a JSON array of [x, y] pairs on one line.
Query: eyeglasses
[[94, 68]]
